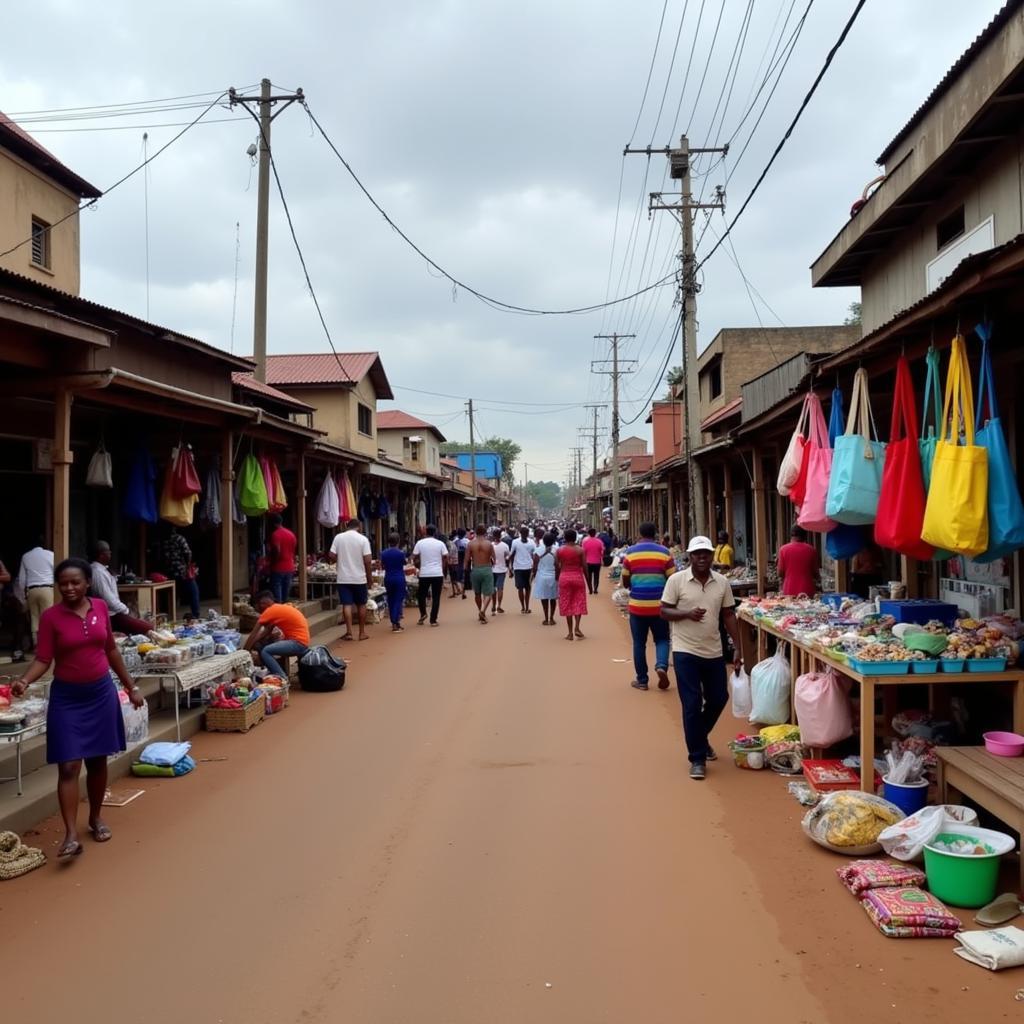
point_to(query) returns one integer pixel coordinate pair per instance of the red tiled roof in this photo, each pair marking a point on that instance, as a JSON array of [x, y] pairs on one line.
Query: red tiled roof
[[14, 138], [395, 419], [247, 382], [727, 410], [311, 368]]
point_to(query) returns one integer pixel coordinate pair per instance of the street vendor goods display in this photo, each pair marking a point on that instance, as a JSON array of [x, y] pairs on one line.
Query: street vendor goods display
[[994, 949], [908, 912], [859, 876], [856, 478], [843, 541], [792, 465], [252, 488], [906, 839], [164, 760], [101, 471], [812, 514], [769, 689], [849, 822], [823, 708], [181, 488]]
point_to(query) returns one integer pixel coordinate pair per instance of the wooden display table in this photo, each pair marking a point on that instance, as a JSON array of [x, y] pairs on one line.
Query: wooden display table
[[804, 658], [147, 596]]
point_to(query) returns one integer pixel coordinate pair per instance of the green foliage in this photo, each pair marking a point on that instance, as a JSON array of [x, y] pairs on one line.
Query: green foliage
[[545, 494], [853, 316]]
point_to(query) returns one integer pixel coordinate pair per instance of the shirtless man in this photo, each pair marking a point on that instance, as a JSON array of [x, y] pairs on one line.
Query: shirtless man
[[480, 562]]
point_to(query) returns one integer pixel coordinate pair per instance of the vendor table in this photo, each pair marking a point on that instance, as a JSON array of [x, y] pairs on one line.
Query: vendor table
[[743, 588], [19, 736], [147, 596], [196, 674], [804, 658]]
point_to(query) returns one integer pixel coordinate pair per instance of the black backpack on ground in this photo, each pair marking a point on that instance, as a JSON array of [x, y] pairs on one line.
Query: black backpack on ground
[[320, 671]]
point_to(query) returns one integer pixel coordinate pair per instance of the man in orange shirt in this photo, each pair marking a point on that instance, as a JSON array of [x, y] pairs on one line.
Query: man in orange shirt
[[277, 620]]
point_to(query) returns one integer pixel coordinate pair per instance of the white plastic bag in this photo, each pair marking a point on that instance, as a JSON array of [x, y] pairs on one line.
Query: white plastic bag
[[822, 709], [620, 597], [907, 839], [741, 702], [100, 472], [136, 724], [769, 690]]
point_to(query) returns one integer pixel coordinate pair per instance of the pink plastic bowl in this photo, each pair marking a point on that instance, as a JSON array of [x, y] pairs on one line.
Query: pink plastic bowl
[[1004, 744]]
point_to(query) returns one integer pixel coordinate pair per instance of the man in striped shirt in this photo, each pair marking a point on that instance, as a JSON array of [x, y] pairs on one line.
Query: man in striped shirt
[[645, 568]]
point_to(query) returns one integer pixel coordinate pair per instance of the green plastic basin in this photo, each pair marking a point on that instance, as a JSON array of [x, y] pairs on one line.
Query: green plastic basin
[[965, 879]]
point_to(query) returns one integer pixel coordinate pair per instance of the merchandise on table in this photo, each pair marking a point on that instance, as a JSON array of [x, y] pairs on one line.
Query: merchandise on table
[[168, 659], [909, 913], [877, 874], [849, 822]]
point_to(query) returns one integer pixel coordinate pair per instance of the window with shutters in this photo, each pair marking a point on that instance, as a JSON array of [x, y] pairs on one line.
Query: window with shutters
[[40, 243], [365, 420]]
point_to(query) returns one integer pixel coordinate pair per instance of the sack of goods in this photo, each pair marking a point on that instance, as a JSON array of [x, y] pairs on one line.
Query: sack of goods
[[769, 689], [320, 671], [823, 709]]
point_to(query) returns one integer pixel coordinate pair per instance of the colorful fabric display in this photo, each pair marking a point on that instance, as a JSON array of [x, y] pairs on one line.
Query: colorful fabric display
[[956, 513], [843, 541], [908, 912], [862, 875], [819, 467], [902, 496], [278, 499], [1005, 510], [856, 478]]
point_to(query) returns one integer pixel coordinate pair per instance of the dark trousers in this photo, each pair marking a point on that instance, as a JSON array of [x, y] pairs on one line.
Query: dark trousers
[[188, 590], [396, 591], [657, 627], [435, 584], [703, 693], [281, 586], [593, 576]]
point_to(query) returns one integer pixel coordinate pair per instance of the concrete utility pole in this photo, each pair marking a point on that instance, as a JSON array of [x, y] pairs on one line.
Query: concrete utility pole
[[591, 433], [679, 169], [264, 101], [472, 456], [526, 483], [615, 372]]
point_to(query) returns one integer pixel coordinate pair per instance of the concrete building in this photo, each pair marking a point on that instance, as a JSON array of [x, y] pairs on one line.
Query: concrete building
[[38, 200], [413, 442]]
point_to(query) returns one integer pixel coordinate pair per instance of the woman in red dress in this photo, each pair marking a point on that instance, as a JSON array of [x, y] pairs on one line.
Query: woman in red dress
[[572, 584]]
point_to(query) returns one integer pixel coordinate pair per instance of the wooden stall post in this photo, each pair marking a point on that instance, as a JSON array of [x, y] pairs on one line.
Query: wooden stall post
[[727, 501], [760, 525], [227, 523], [61, 459], [300, 529]]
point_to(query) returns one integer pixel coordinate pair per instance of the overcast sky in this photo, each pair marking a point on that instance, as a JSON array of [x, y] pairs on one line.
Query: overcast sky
[[493, 135]]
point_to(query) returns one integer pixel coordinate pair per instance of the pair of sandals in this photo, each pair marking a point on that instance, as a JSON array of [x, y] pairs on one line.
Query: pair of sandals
[[73, 848]]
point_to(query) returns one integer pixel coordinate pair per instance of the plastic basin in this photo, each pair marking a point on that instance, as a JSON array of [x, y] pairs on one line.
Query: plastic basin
[[952, 664], [909, 798], [926, 667], [986, 664], [964, 879], [1004, 744]]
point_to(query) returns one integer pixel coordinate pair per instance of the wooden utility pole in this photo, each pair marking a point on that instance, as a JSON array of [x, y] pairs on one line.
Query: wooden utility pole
[[591, 433], [472, 456], [615, 372], [679, 169], [264, 102]]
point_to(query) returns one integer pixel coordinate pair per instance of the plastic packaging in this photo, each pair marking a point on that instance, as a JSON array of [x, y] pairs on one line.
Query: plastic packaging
[[769, 688], [741, 697], [823, 709], [170, 658], [850, 822]]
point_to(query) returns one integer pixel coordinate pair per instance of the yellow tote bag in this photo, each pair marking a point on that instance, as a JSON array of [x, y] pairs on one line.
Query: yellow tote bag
[[956, 514]]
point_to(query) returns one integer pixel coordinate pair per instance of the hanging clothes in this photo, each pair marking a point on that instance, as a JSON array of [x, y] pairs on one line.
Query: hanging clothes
[[278, 499], [328, 506], [238, 517], [365, 505], [347, 497], [139, 501], [209, 509]]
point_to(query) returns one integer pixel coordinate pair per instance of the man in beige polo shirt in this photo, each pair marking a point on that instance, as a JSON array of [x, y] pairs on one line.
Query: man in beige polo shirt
[[693, 602]]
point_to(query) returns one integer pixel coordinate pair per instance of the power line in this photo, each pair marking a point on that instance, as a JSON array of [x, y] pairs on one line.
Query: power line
[[131, 174], [130, 127], [650, 71], [108, 106]]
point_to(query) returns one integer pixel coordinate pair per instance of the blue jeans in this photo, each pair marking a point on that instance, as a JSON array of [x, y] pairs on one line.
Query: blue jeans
[[396, 590], [271, 652], [703, 693], [640, 626], [281, 586], [189, 590]]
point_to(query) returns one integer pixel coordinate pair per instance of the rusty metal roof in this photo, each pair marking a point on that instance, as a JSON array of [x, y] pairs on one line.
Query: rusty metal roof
[[395, 419], [729, 409]]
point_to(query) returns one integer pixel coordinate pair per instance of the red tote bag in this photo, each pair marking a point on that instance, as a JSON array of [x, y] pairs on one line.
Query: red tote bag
[[185, 478], [901, 500], [819, 469]]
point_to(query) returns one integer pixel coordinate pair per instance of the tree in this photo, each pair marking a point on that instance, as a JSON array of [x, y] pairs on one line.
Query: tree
[[853, 315], [674, 376], [545, 494], [504, 446]]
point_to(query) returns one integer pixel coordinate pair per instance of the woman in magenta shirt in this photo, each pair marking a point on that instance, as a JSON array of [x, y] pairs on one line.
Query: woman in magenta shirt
[[593, 551], [83, 718]]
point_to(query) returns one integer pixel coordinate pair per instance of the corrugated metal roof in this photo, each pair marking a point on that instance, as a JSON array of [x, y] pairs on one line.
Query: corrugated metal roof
[[247, 382], [983, 38], [14, 138], [395, 419], [346, 368], [727, 410]]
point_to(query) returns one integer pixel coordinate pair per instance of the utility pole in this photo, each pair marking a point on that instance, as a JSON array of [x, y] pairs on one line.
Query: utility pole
[[264, 101], [615, 372], [591, 433], [526, 483], [472, 456], [679, 169]]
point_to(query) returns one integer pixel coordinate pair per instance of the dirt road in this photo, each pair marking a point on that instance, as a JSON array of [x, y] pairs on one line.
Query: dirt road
[[488, 826]]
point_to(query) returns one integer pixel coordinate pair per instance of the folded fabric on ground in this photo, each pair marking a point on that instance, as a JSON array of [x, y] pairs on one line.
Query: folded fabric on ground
[[878, 874], [909, 913], [993, 948], [164, 753], [163, 771]]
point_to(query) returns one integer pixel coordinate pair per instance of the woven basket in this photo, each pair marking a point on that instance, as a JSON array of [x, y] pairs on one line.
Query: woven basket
[[236, 719]]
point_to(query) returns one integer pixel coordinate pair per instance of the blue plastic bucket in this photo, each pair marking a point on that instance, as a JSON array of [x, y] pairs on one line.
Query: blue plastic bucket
[[908, 798]]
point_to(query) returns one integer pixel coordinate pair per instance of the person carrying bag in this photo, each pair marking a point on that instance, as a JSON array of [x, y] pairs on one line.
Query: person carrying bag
[[1005, 510], [902, 497], [956, 513], [856, 480]]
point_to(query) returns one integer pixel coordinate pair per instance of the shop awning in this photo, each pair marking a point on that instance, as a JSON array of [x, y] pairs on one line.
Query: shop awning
[[401, 475]]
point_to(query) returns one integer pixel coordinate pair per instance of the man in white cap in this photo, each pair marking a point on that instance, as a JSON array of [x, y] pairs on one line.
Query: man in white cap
[[694, 602]]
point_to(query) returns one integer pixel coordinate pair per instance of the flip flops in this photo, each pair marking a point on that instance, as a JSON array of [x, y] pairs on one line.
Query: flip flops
[[1001, 910]]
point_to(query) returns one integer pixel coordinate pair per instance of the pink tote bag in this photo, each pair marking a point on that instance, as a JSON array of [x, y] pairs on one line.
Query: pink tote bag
[[819, 468]]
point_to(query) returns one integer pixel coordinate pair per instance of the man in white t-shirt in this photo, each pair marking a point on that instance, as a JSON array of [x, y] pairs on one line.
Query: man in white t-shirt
[[351, 552], [430, 556], [501, 553], [522, 566]]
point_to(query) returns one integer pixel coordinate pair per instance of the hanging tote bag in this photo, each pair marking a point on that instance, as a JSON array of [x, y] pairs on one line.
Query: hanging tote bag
[[252, 489], [186, 477], [856, 479], [819, 465], [174, 509], [328, 509], [1005, 511], [901, 501], [276, 495], [100, 472], [930, 420], [792, 461], [956, 513], [844, 541]]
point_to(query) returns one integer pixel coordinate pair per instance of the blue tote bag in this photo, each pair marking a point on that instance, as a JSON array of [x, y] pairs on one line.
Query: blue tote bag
[[843, 541], [1005, 510], [856, 480]]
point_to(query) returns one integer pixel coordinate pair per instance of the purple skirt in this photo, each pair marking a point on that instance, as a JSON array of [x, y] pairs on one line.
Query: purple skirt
[[83, 720]]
